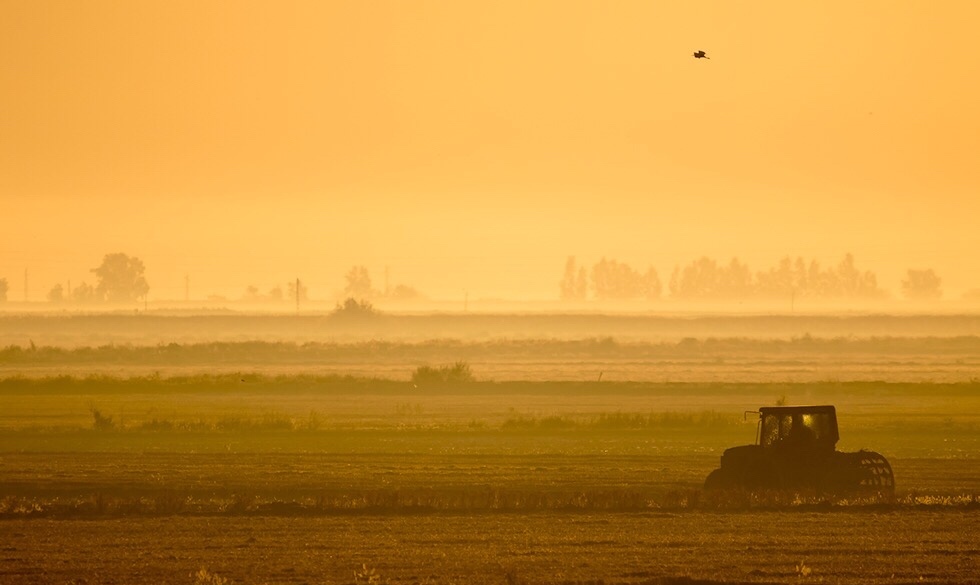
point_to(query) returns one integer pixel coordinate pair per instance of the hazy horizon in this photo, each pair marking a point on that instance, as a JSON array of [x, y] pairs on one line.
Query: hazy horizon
[[472, 148]]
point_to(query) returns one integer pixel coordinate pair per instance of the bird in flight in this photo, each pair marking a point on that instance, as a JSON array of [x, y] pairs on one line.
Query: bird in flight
[[700, 55]]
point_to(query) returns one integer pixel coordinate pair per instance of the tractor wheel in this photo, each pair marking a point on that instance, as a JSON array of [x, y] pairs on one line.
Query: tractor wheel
[[864, 473], [719, 479]]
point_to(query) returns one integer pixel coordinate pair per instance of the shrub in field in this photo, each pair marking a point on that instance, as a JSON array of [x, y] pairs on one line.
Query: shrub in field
[[314, 422], [101, 422], [366, 575], [268, 422], [548, 423], [352, 308], [457, 373], [206, 577]]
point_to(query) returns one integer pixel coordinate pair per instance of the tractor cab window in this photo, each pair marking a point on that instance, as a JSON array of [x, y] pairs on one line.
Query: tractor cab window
[[797, 428]]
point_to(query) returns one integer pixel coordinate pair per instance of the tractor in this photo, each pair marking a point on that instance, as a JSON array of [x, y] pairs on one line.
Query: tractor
[[796, 451]]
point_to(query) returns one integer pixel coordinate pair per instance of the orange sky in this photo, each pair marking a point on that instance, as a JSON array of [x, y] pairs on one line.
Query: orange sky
[[473, 146]]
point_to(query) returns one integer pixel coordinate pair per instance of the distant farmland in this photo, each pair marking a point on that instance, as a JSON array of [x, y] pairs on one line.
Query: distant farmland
[[497, 460], [73, 330]]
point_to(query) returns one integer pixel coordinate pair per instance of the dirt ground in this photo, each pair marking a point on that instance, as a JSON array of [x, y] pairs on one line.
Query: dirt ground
[[865, 546]]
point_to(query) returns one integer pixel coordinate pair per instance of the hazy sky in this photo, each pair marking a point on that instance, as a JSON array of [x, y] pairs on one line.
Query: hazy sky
[[473, 146]]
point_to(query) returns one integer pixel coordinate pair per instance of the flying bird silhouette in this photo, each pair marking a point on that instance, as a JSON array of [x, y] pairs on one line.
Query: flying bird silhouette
[[700, 55]]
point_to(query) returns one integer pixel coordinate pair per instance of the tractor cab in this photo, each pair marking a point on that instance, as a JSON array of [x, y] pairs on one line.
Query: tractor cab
[[798, 428]]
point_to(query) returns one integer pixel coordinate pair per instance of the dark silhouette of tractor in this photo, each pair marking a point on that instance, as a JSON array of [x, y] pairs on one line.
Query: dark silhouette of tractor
[[795, 451]]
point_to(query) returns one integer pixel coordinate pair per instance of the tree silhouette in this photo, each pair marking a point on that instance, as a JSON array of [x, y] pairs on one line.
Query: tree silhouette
[[582, 283], [857, 283], [650, 285], [56, 294], [120, 278], [403, 292], [707, 279], [782, 281], [699, 279], [358, 283], [617, 280], [83, 293], [574, 284], [922, 285]]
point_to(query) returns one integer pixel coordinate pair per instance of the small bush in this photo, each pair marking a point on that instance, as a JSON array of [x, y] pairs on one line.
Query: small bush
[[458, 373], [354, 308], [366, 575], [205, 577], [548, 423], [157, 425], [102, 422]]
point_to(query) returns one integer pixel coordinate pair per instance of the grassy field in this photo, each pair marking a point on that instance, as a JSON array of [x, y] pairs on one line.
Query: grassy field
[[85, 330], [545, 461], [803, 359]]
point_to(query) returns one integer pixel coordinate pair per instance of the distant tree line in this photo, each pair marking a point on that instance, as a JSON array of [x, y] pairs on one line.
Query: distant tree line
[[704, 278], [118, 279], [707, 279], [358, 287], [610, 280]]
